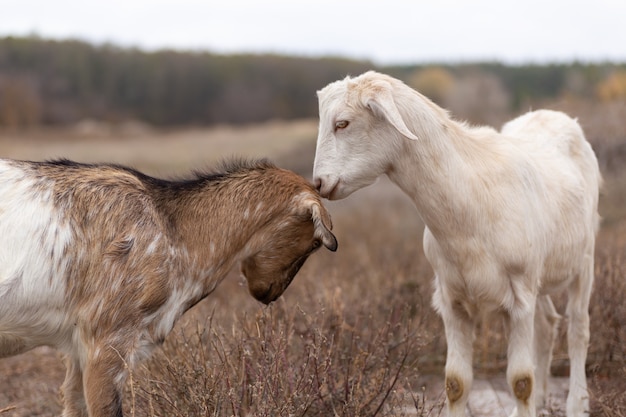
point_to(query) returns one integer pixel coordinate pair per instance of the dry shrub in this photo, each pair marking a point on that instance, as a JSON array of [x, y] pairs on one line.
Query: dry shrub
[[607, 394], [607, 309], [607, 352], [282, 361]]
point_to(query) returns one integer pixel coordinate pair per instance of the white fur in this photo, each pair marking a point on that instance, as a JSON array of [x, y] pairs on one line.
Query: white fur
[[510, 217], [31, 266]]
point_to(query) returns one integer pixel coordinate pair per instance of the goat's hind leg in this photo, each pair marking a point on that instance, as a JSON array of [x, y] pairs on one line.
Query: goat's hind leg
[[578, 340], [520, 371], [546, 327]]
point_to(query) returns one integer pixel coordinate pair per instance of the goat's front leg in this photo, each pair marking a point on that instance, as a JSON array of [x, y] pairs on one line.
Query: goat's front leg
[[104, 378], [520, 371], [459, 329], [73, 397]]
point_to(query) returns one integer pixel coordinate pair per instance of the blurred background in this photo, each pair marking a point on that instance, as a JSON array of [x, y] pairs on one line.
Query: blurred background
[[169, 86], [170, 64]]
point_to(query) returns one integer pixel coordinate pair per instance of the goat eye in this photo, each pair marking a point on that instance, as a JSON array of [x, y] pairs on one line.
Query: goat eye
[[341, 124], [316, 244]]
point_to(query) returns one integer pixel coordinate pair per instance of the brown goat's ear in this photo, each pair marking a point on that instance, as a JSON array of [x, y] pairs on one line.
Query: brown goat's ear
[[323, 226], [378, 98]]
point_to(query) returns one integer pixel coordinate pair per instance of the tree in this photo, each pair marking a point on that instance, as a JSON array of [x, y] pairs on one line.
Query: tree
[[613, 87], [20, 104], [435, 83]]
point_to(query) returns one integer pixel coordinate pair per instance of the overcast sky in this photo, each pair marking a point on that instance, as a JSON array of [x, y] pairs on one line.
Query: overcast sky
[[385, 32]]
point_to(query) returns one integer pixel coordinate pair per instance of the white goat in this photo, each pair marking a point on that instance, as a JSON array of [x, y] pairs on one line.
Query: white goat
[[100, 261], [510, 217]]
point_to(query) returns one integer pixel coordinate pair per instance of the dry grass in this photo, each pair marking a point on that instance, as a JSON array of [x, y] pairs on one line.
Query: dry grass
[[162, 153], [354, 335]]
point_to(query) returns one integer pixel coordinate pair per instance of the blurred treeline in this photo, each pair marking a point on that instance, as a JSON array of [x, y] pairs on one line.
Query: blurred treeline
[[46, 82]]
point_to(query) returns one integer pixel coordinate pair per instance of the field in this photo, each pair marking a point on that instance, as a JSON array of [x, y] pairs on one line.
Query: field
[[355, 334]]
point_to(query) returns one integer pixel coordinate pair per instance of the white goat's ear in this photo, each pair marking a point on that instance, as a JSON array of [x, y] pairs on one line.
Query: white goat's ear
[[380, 100], [323, 225]]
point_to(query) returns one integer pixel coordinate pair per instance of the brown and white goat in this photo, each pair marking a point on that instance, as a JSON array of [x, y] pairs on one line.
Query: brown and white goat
[[99, 261]]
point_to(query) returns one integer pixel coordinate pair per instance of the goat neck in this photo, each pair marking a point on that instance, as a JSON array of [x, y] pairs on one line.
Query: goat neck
[[213, 221], [440, 170]]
